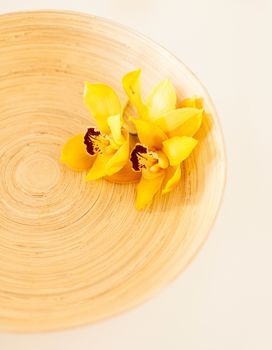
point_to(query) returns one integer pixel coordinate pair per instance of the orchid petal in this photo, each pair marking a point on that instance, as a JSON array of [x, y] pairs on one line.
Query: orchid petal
[[75, 155], [98, 169], [149, 134], [195, 102], [178, 148], [125, 175], [114, 123], [118, 159], [189, 127], [172, 178], [161, 100], [132, 86], [147, 188], [181, 122], [102, 101]]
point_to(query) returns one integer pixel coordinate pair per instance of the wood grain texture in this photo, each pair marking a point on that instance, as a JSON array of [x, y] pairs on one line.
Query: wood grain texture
[[73, 252]]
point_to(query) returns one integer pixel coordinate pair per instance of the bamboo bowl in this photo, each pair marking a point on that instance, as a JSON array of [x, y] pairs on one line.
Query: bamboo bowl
[[73, 252]]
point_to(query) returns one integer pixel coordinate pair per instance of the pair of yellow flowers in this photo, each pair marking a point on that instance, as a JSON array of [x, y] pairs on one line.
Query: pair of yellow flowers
[[164, 137]]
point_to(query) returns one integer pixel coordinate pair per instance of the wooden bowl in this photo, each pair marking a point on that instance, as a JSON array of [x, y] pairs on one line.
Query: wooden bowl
[[73, 252]]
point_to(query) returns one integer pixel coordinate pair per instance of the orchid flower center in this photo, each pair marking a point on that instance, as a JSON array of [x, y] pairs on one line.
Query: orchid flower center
[[97, 142], [144, 159]]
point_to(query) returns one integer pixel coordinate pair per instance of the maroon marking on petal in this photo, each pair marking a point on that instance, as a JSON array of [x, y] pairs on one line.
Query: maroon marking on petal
[[135, 157], [91, 142]]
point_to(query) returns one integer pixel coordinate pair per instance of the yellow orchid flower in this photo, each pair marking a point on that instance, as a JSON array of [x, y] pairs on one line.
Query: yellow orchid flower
[[158, 157], [103, 152], [165, 133], [164, 137]]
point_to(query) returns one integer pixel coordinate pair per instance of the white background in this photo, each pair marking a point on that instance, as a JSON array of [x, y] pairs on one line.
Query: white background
[[223, 301]]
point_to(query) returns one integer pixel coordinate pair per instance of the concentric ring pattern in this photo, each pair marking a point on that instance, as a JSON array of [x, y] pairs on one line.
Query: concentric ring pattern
[[73, 252]]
